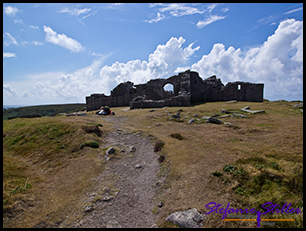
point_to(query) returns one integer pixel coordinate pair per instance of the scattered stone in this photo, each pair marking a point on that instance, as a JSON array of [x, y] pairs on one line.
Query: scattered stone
[[81, 114], [239, 115], [301, 110], [180, 110], [224, 116], [152, 110], [247, 109], [109, 151], [93, 194], [190, 218], [177, 116], [223, 111], [88, 208], [214, 120], [71, 114], [160, 204], [215, 115], [206, 117], [107, 198], [300, 105], [191, 121], [157, 124], [231, 101], [113, 224], [138, 166], [195, 115], [132, 149]]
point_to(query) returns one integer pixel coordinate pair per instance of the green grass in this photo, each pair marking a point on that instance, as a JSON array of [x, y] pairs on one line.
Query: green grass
[[44, 110]]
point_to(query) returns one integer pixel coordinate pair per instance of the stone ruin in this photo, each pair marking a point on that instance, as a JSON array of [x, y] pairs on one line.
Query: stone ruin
[[188, 88]]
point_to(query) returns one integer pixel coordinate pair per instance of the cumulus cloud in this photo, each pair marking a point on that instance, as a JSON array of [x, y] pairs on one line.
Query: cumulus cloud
[[9, 89], [62, 40], [10, 10], [278, 62], [161, 63]]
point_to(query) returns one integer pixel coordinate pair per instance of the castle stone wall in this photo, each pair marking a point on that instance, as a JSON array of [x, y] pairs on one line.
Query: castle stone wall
[[188, 86]]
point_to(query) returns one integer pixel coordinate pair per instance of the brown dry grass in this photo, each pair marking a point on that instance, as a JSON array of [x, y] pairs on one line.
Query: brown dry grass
[[275, 136]]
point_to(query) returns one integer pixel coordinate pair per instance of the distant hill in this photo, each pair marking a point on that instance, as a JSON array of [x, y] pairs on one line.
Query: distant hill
[[44, 110]]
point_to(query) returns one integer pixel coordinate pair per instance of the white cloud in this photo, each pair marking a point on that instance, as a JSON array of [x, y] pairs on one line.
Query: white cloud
[[36, 43], [161, 63], [34, 27], [180, 9], [8, 55], [75, 11], [62, 40], [294, 10], [11, 10], [159, 17], [9, 39], [9, 89], [183, 9], [55, 87], [210, 19], [278, 63]]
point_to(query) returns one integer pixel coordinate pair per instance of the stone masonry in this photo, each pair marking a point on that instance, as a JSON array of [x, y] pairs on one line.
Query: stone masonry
[[188, 87]]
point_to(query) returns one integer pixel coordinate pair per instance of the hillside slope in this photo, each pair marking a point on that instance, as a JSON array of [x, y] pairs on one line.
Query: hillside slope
[[44, 110], [46, 174]]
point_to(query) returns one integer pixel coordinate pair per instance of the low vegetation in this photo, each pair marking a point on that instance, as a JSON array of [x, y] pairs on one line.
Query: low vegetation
[[46, 172], [43, 110]]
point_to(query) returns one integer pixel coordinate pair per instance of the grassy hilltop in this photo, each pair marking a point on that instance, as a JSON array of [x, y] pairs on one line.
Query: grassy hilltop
[[44, 110], [46, 172]]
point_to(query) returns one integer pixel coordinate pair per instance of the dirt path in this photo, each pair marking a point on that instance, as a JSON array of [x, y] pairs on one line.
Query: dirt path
[[124, 193]]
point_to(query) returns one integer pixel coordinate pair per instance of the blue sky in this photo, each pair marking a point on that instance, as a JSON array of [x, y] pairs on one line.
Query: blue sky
[[57, 53]]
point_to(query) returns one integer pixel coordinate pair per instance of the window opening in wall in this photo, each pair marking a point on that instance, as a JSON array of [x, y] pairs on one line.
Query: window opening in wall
[[239, 87], [169, 89]]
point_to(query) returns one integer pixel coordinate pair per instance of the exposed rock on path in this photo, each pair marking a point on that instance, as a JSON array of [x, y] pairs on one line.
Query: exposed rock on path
[[130, 190]]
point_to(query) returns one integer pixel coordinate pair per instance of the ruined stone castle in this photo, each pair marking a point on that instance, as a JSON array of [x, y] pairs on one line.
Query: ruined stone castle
[[188, 87]]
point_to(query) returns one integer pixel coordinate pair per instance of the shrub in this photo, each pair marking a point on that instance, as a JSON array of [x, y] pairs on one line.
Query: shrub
[[177, 136], [158, 146], [229, 168], [90, 143], [217, 174], [161, 158]]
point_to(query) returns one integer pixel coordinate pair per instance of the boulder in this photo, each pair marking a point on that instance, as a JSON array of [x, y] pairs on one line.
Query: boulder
[[191, 121], [247, 109], [300, 105], [190, 218], [214, 120], [109, 151]]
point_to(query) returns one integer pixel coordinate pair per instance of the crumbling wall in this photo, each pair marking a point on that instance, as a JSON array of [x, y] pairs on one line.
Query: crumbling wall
[[188, 88], [243, 91]]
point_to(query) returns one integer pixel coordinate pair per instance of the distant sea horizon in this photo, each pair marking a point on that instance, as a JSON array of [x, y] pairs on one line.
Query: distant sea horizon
[[13, 106]]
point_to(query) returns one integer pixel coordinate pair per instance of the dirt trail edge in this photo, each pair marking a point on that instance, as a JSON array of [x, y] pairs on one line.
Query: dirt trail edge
[[124, 195]]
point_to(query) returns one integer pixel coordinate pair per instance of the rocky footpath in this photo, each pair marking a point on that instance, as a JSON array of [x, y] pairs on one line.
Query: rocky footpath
[[124, 192]]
